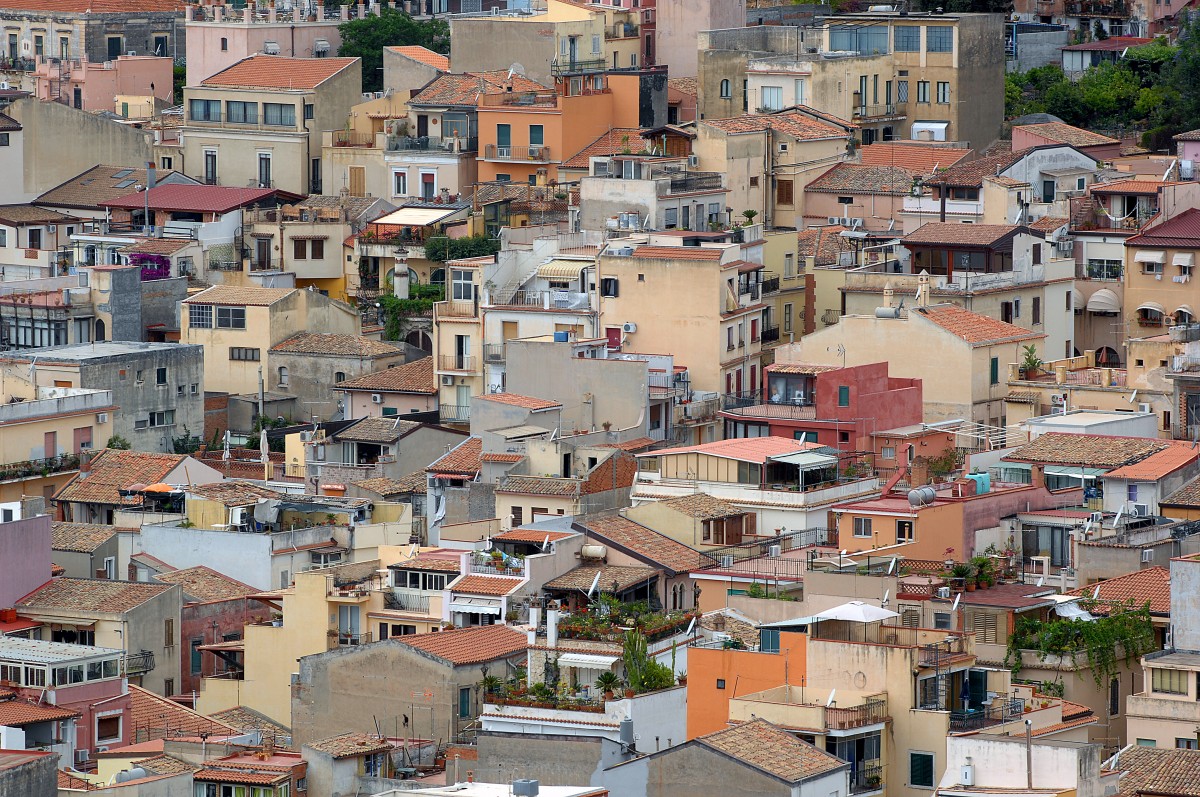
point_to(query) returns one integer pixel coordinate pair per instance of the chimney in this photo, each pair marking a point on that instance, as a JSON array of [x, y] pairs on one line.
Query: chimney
[[1060, 374], [923, 289], [535, 616], [1037, 473], [887, 294], [552, 624]]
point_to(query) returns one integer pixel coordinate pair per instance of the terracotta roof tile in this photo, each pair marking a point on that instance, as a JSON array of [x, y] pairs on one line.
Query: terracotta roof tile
[[972, 327], [1190, 135], [799, 368], [539, 485], [463, 459], [245, 719], [157, 717], [382, 485], [155, 246], [95, 186], [165, 765], [8, 124], [240, 295], [685, 85], [466, 88], [279, 72], [350, 745], [91, 595], [17, 711], [500, 457], [187, 198], [1089, 450], [426, 561], [612, 142], [937, 233], [223, 775], [1049, 223], [1187, 495], [469, 645], [970, 174], [824, 244], [645, 543], [854, 178], [614, 578], [205, 585], [1065, 725], [1159, 770], [636, 444], [679, 252], [98, 6], [1109, 44], [773, 750], [792, 122], [919, 158], [1160, 464], [424, 55], [517, 400], [1151, 586], [336, 345], [80, 537], [486, 585], [533, 535], [67, 781], [16, 215], [701, 506], [415, 377], [377, 429], [234, 492], [114, 469], [1134, 185], [1063, 133]]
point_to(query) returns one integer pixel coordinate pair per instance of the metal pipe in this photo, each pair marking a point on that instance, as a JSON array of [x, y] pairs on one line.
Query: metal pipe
[[1029, 754]]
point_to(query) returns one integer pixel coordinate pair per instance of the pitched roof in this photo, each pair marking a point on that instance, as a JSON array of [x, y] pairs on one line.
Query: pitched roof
[[938, 233], [424, 55], [279, 72], [791, 122], [376, 429], [114, 469], [95, 186], [1090, 450], [16, 215], [1187, 495], [1160, 464], [155, 246], [1049, 223], [191, 198], [17, 711], [533, 535], [824, 244], [156, 717], [922, 159], [67, 781], [91, 595], [1111, 43], [1151, 586], [465, 88], [462, 460], [679, 252], [233, 492], [430, 561], [414, 377], [205, 585], [469, 645], [8, 124], [97, 6], [772, 750], [336, 345], [383, 485], [1134, 185], [486, 585], [350, 745], [1182, 231], [165, 765], [701, 506], [685, 85], [615, 578], [79, 537], [1063, 133], [539, 485], [645, 543], [517, 400], [611, 142], [1159, 770], [856, 178], [1190, 135], [976, 329], [245, 719], [970, 174], [240, 295]]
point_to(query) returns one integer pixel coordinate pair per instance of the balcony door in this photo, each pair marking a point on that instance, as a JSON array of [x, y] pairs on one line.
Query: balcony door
[[462, 351], [503, 141]]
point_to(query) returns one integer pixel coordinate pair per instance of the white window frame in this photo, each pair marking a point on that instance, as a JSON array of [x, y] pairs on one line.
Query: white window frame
[[400, 178], [862, 524]]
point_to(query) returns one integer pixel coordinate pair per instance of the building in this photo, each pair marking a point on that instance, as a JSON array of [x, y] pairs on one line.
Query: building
[[848, 191], [29, 772], [295, 99], [219, 37], [307, 363], [130, 86], [159, 388], [1100, 147], [409, 68], [336, 763], [27, 246], [90, 32], [678, 26], [275, 772], [238, 326], [1158, 252], [374, 446], [999, 763], [25, 543], [644, 192], [96, 494], [82, 550], [395, 391]]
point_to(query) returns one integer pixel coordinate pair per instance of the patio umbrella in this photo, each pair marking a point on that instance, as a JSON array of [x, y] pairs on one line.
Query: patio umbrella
[[857, 612]]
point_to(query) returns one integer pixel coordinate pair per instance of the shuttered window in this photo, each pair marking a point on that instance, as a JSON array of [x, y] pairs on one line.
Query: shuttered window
[[783, 192], [983, 625]]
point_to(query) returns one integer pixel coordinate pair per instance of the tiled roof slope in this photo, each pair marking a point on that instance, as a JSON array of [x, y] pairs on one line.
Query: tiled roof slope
[[793, 123], [1088, 450], [772, 750], [976, 329], [350, 745], [91, 595], [382, 485], [1064, 133], [279, 72], [324, 343], [1160, 771], [517, 400], [1151, 586], [114, 469], [94, 186], [377, 429], [240, 295], [424, 55], [825, 244], [245, 719], [611, 142], [414, 377], [465, 88], [205, 585], [856, 178], [469, 645], [936, 233], [613, 578], [97, 6], [645, 543], [463, 459], [701, 506], [919, 158], [155, 717], [80, 537]]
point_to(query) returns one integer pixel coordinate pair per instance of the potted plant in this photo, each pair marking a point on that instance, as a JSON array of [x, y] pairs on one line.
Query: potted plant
[[491, 684], [629, 691], [607, 682], [277, 619], [682, 678], [1031, 363], [962, 576]]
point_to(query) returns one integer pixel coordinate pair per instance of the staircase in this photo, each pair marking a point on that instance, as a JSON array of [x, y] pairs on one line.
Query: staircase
[[1084, 211]]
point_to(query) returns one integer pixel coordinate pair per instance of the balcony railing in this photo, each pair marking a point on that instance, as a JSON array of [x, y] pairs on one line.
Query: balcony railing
[[456, 362], [770, 285], [867, 777], [1097, 9], [1002, 710], [455, 413], [873, 712], [770, 335], [33, 468], [577, 66], [694, 182], [138, 663], [431, 143], [456, 308], [512, 152], [406, 601], [354, 638], [878, 111], [493, 352], [755, 398], [622, 30]]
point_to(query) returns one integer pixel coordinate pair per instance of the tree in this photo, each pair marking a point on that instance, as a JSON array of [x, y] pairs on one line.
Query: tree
[[118, 442], [365, 38]]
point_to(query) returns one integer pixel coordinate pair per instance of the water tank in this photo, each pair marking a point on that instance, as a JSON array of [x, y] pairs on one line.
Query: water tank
[[887, 312], [922, 496], [593, 552], [137, 773], [626, 732], [983, 482], [560, 337], [525, 787]]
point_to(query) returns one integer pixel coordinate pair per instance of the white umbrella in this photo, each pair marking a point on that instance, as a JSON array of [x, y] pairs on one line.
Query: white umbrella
[[856, 612], [263, 449], [226, 455]]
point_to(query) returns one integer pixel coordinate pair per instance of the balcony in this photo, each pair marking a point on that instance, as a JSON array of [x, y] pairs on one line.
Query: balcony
[[33, 468], [351, 637], [455, 413], [137, 663], [512, 152], [770, 335], [431, 144], [406, 601], [457, 362], [1001, 711], [577, 66], [621, 30], [692, 183], [493, 352], [770, 285], [546, 300], [796, 706], [880, 111], [1113, 9], [456, 308]]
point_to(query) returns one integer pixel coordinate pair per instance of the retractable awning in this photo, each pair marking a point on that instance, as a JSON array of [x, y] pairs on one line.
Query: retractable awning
[[475, 606], [1148, 256], [1155, 306], [588, 661], [1104, 301], [562, 269], [1183, 259], [806, 460]]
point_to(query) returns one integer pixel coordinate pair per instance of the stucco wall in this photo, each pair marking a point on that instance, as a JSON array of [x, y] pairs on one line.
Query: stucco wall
[[24, 557]]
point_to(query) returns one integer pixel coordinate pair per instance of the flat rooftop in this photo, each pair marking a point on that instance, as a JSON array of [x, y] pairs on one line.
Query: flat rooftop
[[90, 351], [1085, 418], [35, 651]]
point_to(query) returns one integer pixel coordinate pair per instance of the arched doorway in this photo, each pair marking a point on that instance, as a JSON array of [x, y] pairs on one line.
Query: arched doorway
[[420, 339], [99, 329], [1107, 356]]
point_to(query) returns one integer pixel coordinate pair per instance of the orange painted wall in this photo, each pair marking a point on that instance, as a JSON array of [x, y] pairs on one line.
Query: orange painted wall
[[744, 672], [626, 92], [935, 528], [567, 129]]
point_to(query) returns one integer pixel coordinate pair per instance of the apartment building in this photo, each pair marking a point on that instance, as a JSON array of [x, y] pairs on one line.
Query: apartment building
[[258, 122], [643, 192], [130, 86], [220, 36], [96, 32], [1158, 267], [33, 461]]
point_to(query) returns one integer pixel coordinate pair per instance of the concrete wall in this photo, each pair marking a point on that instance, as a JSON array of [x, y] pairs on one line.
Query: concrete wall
[[1038, 49], [310, 377], [553, 760], [403, 75], [214, 46], [24, 557], [1000, 763], [37, 777], [80, 141], [85, 565], [160, 303], [245, 557], [679, 23]]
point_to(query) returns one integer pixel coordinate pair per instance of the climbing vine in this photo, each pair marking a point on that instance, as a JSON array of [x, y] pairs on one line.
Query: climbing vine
[[1125, 634]]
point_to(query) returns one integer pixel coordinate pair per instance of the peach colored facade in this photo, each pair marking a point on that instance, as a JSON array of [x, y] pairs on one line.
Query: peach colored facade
[[93, 86], [716, 676], [876, 210], [213, 45], [361, 404]]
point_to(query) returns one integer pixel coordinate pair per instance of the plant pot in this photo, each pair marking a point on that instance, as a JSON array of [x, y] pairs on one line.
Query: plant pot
[[970, 586], [608, 694], [682, 680]]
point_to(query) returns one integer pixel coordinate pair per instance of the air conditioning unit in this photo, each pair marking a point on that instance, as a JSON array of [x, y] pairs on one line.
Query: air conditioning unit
[[1147, 555], [833, 219], [1058, 399], [1096, 517], [101, 417], [378, 399], [1140, 510], [775, 551], [131, 52], [693, 161], [52, 228], [102, 748], [1143, 407], [943, 593], [306, 437], [447, 381], [629, 327], [82, 754]]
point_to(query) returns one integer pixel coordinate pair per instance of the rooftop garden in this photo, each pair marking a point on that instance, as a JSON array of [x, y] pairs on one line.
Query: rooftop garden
[[1107, 641], [608, 620]]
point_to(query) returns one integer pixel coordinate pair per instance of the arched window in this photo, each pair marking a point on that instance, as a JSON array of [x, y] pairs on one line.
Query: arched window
[[726, 92], [340, 376], [99, 329], [437, 276], [283, 376], [413, 279]]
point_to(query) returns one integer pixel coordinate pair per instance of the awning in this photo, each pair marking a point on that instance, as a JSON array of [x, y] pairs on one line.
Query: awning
[[1073, 611], [517, 432], [1103, 301], [1146, 256], [805, 460], [475, 606], [562, 269], [1183, 259], [1184, 308], [929, 131], [1155, 306], [587, 661], [417, 217], [1076, 299]]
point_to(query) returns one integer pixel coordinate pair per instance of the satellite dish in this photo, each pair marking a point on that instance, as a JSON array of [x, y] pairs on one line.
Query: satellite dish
[[516, 69], [892, 566], [957, 597], [829, 702]]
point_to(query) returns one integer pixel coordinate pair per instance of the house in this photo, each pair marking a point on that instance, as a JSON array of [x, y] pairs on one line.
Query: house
[[130, 86], [1166, 770], [331, 693], [1158, 265], [1078, 58], [159, 388], [12, 156], [95, 495], [276, 772], [377, 446], [664, 192], [1056, 766], [83, 195], [601, 483], [393, 246], [141, 619], [31, 243], [307, 363], [83, 550], [238, 326], [411, 67], [401, 390], [1100, 147], [1148, 588], [96, 33], [298, 97], [871, 193], [336, 763]]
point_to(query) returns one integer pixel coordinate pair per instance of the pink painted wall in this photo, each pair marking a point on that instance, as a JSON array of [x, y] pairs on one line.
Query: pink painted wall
[[361, 405], [1023, 139], [24, 557], [1189, 150], [876, 211], [100, 83], [206, 56]]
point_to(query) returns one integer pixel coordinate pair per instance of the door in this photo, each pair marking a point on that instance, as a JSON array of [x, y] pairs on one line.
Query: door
[[83, 439], [314, 177], [77, 98], [210, 167], [262, 253], [348, 627], [358, 180], [35, 239], [572, 50], [462, 352], [51, 445], [264, 170], [503, 141], [462, 400], [737, 380], [509, 331], [114, 47], [422, 125]]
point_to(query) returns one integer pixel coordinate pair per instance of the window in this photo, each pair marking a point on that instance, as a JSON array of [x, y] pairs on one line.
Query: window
[[168, 632], [787, 318], [463, 288], [783, 192], [595, 44], [1169, 682], [165, 418], [922, 91], [749, 473], [537, 135], [1152, 268], [772, 97], [941, 621], [275, 113], [168, 163], [1146, 743], [1037, 310], [862, 527], [1185, 743], [939, 39], [231, 318], [242, 112], [399, 183], [920, 770], [264, 170], [204, 110], [108, 729], [726, 92], [943, 92], [1114, 697], [299, 249], [609, 287], [242, 354], [994, 375], [904, 531], [789, 265], [200, 315], [373, 765], [224, 44], [907, 39], [160, 376], [720, 683], [210, 167], [283, 375], [843, 395], [4, 139], [196, 658], [309, 111]]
